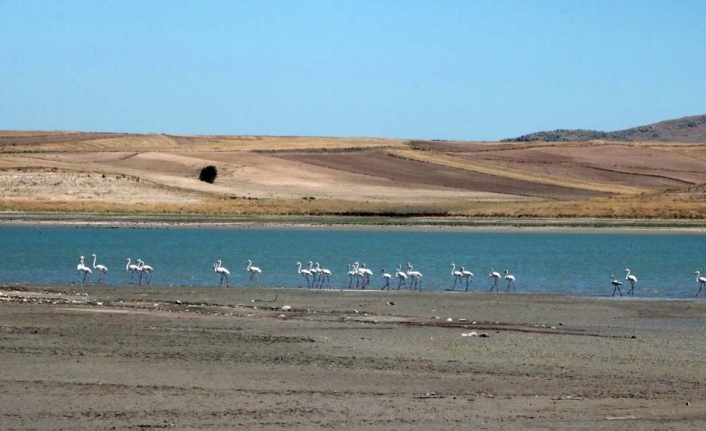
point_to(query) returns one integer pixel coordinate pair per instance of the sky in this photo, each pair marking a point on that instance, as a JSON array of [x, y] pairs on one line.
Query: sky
[[469, 70]]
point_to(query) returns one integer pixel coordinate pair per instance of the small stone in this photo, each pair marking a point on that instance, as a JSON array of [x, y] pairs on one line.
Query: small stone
[[178, 302], [449, 320], [484, 335], [286, 308], [390, 303], [688, 404]]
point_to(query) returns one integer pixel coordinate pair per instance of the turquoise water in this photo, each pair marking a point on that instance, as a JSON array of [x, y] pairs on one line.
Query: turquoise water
[[570, 263]]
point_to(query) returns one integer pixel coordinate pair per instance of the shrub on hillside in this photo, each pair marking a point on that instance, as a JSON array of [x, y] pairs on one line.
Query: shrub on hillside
[[208, 174]]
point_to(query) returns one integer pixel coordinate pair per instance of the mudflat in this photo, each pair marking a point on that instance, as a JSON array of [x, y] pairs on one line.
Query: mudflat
[[146, 357]]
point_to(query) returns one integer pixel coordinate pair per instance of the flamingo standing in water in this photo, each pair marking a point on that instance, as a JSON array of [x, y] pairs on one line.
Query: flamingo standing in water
[[102, 268], [632, 279], [324, 274], [387, 278], [366, 274], [616, 285], [351, 275], [701, 280], [131, 268], [305, 273], [402, 277], [496, 276], [144, 268], [416, 276], [457, 275], [510, 280], [314, 272], [221, 270], [254, 271], [468, 275], [83, 268]]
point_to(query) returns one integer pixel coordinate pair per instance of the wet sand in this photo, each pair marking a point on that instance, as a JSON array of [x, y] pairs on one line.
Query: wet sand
[[90, 357]]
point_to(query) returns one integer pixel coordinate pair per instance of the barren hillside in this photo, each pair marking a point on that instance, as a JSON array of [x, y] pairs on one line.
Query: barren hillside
[[159, 173]]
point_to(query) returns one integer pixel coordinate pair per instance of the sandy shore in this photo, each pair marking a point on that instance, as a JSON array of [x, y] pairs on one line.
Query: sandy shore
[[214, 358]]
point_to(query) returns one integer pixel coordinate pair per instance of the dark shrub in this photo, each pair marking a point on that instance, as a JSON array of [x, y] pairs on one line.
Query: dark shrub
[[208, 174]]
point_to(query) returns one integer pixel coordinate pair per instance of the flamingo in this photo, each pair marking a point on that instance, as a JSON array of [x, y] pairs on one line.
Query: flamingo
[[457, 275], [496, 276], [366, 274], [144, 268], [510, 280], [314, 272], [632, 279], [351, 275], [402, 277], [305, 273], [132, 268], [387, 278], [254, 271], [416, 275], [359, 276], [323, 274], [83, 268], [102, 268], [221, 270], [468, 275], [701, 280], [616, 284]]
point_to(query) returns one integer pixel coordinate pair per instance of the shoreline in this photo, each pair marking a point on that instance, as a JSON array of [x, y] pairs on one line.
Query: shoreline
[[217, 358], [588, 225]]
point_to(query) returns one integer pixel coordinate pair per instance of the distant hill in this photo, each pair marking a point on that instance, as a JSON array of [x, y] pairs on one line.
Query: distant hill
[[687, 129]]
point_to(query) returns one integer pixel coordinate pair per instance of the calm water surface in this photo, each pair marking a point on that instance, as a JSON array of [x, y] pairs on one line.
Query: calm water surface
[[570, 263]]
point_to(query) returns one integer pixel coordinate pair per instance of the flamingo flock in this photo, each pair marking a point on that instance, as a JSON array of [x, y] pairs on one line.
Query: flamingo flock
[[316, 276]]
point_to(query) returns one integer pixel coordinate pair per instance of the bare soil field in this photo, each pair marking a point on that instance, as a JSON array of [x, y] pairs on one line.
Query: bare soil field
[[92, 357], [51, 171]]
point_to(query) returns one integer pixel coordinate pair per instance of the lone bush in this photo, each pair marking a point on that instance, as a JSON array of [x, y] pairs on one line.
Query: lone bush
[[208, 174]]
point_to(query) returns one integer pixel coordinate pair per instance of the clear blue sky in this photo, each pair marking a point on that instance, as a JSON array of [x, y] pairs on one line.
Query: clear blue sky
[[465, 70]]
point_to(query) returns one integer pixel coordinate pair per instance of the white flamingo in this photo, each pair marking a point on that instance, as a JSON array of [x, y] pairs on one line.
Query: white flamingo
[[102, 268], [254, 272], [359, 275], [632, 279], [457, 275], [83, 269], [510, 280], [416, 276], [387, 278], [401, 276], [701, 280], [305, 273], [143, 268], [366, 274], [131, 268], [616, 285], [314, 274], [496, 276], [468, 275], [324, 274], [351, 275], [221, 270]]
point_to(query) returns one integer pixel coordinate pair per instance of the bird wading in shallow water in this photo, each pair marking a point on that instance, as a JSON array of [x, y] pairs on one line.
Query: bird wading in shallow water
[[496, 277], [254, 272], [632, 279], [510, 280], [101, 268], [222, 271], [616, 285], [701, 280]]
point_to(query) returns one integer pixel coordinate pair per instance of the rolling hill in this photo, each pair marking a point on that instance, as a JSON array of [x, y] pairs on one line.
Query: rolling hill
[[687, 129]]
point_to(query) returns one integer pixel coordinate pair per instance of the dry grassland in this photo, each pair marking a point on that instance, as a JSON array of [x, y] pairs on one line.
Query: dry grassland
[[157, 174]]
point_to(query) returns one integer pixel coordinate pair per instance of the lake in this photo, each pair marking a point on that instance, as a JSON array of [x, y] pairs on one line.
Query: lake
[[551, 262]]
